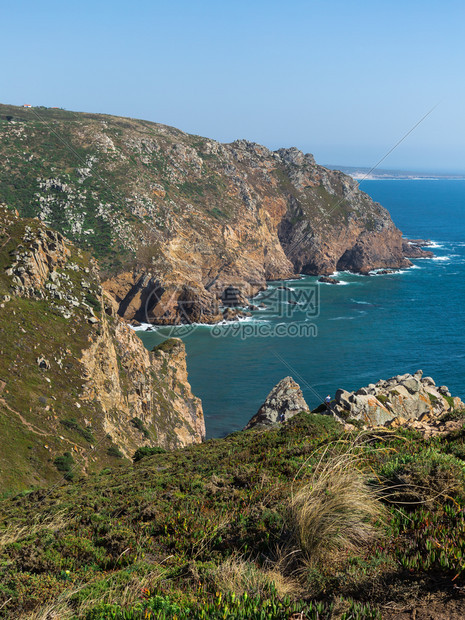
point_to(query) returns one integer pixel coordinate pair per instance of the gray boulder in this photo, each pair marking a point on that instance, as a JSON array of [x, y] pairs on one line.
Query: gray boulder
[[405, 397], [285, 399]]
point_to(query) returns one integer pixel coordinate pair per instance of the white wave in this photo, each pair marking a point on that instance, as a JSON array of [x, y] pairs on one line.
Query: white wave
[[435, 244], [363, 303], [143, 327], [444, 257], [348, 318]]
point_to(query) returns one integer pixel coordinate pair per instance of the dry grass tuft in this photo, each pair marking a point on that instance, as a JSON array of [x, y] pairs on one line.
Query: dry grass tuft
[[240, 576], [13, 533], [336, 511]]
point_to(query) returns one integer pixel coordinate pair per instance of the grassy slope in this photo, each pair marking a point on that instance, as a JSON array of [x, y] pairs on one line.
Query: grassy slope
[[207, 529]]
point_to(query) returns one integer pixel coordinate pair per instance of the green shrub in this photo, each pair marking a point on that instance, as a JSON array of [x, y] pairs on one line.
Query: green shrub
[[115, 451], [64, 464], [140, 453], [425, 478], [73, 424], [166, 346], [92, 300], [137, 423]]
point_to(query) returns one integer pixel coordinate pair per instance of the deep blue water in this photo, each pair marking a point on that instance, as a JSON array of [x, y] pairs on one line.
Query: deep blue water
[[370, 328]]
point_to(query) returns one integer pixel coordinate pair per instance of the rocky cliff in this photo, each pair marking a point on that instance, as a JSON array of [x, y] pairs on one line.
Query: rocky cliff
[[404, 400], [175, 218], [283, 402], [78, 390]]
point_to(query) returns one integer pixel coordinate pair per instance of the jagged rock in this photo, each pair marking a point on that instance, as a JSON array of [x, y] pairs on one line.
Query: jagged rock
[[404, 397], [232, 297], [412, 248], [233, 314], [342, 398], [412, 385], [43, 363], [283, 402], [328, 280], [444, 390]]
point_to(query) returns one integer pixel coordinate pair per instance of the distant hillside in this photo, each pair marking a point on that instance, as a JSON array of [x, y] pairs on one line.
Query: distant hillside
[[175, 218], [360, 173]]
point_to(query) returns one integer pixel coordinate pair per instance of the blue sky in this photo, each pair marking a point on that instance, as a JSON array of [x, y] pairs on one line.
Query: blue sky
[[343, 80]]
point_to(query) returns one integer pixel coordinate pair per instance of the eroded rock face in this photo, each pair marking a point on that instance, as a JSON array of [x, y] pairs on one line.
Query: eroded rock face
[[130, 382], [408, 397], [40, 254], [84, 382], [283, 402]]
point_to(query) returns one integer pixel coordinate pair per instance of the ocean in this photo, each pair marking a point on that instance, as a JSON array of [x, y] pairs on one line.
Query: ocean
[[348, 335]]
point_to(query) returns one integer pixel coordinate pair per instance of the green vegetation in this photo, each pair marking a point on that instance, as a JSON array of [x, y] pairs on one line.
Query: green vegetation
[[141, 453], [86, 433], [166, 346], [115, 451], [65, 465], [261, 524], [137, 423]]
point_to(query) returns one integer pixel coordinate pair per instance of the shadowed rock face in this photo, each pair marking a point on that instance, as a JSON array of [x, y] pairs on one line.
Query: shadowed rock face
[[176, 219], [283, 402]]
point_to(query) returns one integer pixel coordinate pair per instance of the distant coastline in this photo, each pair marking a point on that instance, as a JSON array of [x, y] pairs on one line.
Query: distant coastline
[[360, 173]]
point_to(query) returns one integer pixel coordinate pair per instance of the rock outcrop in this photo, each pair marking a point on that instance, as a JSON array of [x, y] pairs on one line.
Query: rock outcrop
[[283, 402], [404, 397], [74, 377], [413, 248], [188, 218]]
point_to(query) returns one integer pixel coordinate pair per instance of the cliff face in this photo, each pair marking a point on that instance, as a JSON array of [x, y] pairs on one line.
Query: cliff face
[[176, 218], [74, 378], [130, 382]]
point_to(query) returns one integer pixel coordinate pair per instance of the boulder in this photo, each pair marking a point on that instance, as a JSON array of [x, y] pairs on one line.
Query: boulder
[[343, 398], [328, 280], [412, 385], [283, 402], [402, 398]]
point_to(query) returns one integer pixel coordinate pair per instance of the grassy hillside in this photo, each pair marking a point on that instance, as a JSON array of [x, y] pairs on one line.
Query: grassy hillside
[[302, 518]]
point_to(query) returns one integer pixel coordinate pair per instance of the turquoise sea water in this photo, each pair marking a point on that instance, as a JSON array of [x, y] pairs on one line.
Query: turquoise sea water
[[369, 328]]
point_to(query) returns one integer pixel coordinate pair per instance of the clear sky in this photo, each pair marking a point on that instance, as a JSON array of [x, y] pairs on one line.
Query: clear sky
[[343, 80]]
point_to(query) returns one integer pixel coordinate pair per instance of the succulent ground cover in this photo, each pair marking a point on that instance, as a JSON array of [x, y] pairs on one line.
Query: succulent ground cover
[[303, 518]]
